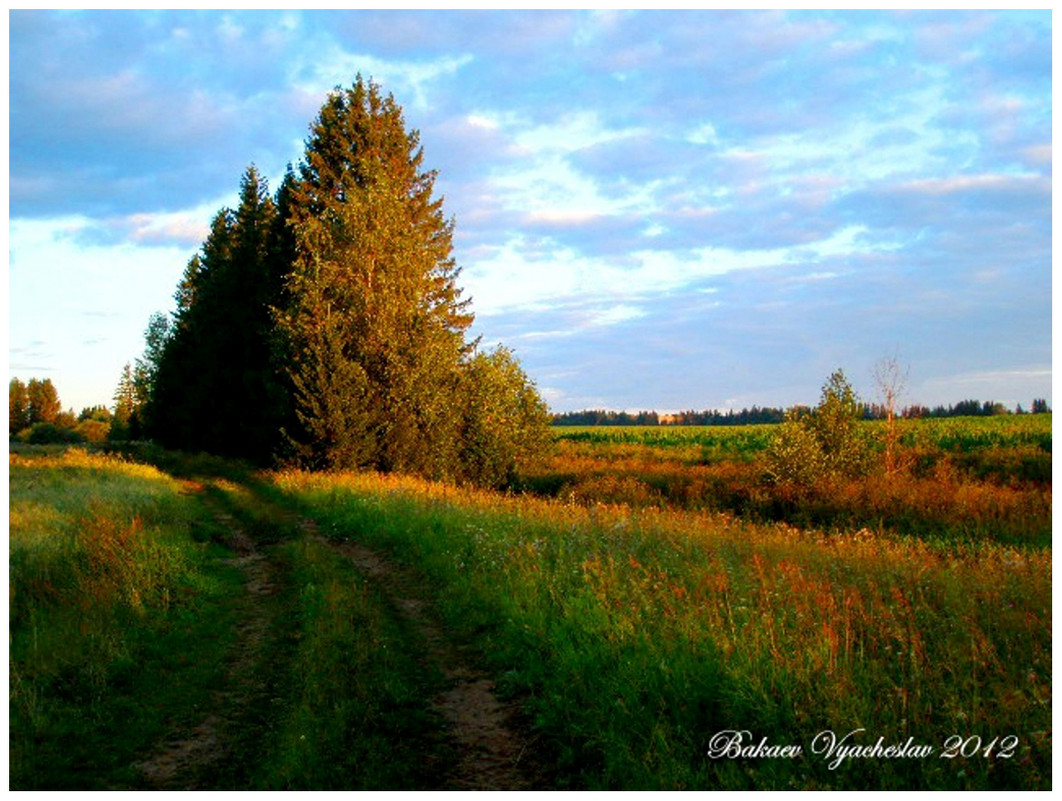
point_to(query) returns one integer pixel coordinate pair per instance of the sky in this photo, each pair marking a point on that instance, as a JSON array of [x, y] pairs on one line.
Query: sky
[[653, 210]]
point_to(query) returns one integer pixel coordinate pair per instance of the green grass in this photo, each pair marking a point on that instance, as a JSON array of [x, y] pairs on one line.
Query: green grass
[[126, 612], [119, 619], [633, 637], [351, 700], [359, 711]]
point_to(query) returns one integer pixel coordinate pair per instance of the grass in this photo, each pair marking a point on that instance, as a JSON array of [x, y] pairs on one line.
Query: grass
[[350, 699], [648, 597], [359, 715], [126, 616], [963, 479], [107, 585], [633, 636]]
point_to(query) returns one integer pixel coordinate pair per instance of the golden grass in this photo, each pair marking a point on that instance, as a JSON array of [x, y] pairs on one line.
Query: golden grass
[[841, 629]]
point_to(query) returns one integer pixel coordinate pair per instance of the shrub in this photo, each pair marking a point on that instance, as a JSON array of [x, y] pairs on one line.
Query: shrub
[[822, 444], [505, 423], [93, 430], [50, 434]]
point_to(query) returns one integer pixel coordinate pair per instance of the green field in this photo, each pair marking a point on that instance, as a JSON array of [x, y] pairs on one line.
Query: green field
[[962, 479], [647, 591], [953, 434]]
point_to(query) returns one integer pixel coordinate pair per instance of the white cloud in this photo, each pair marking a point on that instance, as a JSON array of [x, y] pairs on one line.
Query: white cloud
[[964, 183], [525, 274], [410, 80], [569, 133]]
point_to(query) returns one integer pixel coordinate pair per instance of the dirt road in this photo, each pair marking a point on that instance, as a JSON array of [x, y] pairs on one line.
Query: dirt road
[[483, 745]]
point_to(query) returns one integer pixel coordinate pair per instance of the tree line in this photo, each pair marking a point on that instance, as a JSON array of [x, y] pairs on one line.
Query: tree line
[[768, 414], [36, 415], [600, 417], [323, 324]]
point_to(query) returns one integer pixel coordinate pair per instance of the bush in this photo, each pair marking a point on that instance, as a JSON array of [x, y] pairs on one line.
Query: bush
[[49, 434], [93, 430], [822, 444], [505, 423]]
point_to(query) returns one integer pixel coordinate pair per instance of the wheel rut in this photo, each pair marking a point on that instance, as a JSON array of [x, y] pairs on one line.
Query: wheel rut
[[188, 756], [490, 750], [485, 745]]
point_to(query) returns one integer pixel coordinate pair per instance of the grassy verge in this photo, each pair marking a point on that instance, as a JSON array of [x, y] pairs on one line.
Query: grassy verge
[[119, 618], [635, 637]]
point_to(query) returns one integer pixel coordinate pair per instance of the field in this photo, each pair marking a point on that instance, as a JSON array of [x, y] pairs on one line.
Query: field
[[963, 479], [611, 617]]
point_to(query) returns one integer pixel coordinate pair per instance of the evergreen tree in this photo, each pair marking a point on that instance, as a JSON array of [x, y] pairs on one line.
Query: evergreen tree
[[125, 395], [214, 379], [125, 406], [329, 321], [375, 320]]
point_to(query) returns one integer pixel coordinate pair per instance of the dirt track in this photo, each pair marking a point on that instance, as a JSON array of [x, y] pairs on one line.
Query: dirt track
[[488, 746], [491, 752]]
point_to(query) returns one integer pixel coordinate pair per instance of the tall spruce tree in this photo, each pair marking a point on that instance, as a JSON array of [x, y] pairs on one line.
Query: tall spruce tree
[[214, 382], [375, 320]]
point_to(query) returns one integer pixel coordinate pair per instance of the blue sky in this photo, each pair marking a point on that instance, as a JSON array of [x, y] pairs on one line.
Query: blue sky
[[655, 210]]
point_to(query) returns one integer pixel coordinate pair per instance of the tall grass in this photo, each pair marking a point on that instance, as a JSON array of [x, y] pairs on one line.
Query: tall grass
[[635, 635], [105, 579], [963, 479]]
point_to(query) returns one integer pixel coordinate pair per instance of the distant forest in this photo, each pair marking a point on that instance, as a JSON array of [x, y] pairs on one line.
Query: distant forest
[[767, 414]]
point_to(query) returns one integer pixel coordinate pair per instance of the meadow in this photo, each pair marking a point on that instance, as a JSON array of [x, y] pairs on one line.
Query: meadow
[[118, 610], [634, 634], [639, 595], [966, 479]]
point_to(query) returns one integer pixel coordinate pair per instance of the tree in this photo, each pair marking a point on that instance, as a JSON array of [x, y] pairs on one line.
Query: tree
[[42, 401], [374, 320], [822, 444], [213, 381], [17, 406], [125, 407], [97, 412], [891, 380], [328, 321]]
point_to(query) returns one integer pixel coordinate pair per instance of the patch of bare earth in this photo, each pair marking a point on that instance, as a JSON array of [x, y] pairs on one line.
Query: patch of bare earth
[[489, 746], [179, 762]]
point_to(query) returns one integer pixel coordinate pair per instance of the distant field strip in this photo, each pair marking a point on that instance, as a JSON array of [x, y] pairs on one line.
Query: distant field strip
[[952, 434]]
